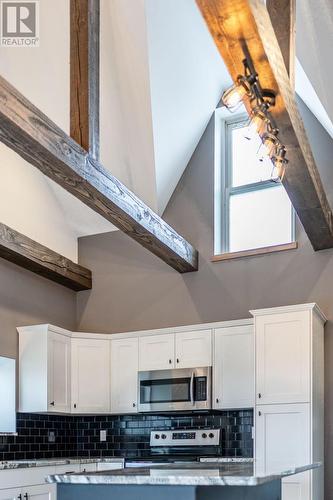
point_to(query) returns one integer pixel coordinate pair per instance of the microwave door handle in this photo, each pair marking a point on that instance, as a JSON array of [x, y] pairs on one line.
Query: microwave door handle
[[192, 388]]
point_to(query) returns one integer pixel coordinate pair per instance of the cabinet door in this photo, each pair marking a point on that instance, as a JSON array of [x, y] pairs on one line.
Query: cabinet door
[[296, 487], [282, 437], [59, 359], [193, 349], [156, 352], [40, 492], [10, 494], [233, 367], [124, 375], [90, 376], [283, 358]]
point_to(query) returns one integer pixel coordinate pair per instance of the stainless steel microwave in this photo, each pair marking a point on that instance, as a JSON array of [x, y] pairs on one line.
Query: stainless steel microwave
[[175, 390]]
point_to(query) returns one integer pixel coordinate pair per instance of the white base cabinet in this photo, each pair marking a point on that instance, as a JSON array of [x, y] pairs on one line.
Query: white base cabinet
[[11, 494], [233, 367]]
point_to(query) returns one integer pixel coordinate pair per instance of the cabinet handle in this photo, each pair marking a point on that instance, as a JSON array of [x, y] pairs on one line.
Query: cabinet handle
[[259, 413], [170, 361], [74, 405], [134, 405], [217, 400], [177, 360], [19, 497], [26, 496], [52, 403], [259, 395]]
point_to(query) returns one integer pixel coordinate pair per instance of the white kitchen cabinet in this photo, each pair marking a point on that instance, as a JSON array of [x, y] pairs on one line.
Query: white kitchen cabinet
[[289, 421], [233, 367], [44, 369], [40, 492], [124, 375], [283, 441], [283, 340], [193, 349], [190, 349], [11, 494], [90, 375], [157, 352]]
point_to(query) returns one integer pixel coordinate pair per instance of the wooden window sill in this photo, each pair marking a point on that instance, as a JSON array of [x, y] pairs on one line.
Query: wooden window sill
[[255, 251]]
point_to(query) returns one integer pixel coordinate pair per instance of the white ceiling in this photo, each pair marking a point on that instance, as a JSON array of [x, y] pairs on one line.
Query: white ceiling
[[314, 41]]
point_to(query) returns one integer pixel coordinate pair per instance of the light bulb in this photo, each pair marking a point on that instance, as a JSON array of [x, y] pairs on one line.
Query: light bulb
[[269, 145], [234, 96], [256, 125], [280, 161]]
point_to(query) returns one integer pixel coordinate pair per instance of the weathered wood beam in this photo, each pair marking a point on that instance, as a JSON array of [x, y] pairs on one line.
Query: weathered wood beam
[[283, 17], [242, 28], [84, 74], [33, 256], [26, 130]]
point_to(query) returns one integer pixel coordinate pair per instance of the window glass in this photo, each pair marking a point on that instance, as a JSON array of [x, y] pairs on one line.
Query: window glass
[[259, 218], [245, 159]]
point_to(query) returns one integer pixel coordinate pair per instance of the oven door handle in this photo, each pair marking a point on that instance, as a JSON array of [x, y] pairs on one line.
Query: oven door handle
[[192, 388]]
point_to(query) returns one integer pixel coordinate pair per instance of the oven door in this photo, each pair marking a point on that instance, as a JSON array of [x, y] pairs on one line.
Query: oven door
[[175, 390]]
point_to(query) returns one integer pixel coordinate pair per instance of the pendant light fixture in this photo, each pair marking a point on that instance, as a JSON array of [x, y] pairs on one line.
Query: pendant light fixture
[[247, 87]]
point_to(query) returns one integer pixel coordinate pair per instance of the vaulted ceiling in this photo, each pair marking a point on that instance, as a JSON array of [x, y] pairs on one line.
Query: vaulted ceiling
[[161, 78]]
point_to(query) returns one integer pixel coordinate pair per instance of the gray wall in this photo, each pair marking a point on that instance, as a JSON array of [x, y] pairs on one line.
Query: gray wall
[[134, 290], [27, 299]]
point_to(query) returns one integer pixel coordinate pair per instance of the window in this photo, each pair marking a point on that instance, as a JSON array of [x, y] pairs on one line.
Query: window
[[252, 210]]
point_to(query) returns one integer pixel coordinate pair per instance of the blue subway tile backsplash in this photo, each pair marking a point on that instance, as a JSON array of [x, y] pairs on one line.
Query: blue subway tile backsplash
[[127, 435]]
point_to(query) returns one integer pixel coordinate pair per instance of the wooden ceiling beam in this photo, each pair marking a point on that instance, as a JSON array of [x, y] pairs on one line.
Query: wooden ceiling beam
[[84, 74], [27, 253], [283, 17], [242, 28], [31, 134]]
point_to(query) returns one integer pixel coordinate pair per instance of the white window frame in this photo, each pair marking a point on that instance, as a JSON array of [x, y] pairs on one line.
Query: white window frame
[[224, 124]]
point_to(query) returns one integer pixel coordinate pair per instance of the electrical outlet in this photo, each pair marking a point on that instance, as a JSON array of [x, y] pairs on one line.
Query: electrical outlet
[[51, 437], [102, 435]]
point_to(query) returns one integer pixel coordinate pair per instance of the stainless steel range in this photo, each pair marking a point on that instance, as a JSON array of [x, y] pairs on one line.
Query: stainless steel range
[[179, 447]]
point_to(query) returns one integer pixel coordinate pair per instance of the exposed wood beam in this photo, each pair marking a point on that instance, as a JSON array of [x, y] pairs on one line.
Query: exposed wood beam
[[26, 130], [33, 256], [84, 71], [242, 28], [283, 17]]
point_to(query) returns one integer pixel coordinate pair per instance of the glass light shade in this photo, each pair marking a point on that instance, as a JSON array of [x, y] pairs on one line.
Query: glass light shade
[[279, 168], [268, 146], [257, 124], [234, 96]]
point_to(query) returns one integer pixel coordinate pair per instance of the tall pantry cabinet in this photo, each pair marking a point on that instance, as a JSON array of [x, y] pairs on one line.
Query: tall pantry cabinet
[[289, 384]]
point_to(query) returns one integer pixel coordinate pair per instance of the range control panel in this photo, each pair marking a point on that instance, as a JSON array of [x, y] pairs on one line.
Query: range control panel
[[193, 437]]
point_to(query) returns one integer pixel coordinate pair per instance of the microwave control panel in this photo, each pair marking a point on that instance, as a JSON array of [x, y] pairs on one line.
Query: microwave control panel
[[193, 437]]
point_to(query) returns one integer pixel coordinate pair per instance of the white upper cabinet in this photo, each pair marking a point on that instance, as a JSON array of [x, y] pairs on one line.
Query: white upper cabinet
[[44, 369], [59, 373], [193, 349], [90, 375], [233, 367], [283, 365], [157, 352], [124, 375]]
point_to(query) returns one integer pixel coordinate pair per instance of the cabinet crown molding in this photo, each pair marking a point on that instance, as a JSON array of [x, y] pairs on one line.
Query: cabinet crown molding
[[312, 306]]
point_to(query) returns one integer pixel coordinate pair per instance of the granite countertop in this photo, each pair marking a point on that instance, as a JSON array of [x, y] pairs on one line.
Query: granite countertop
[[200, 474], [44, 462]]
